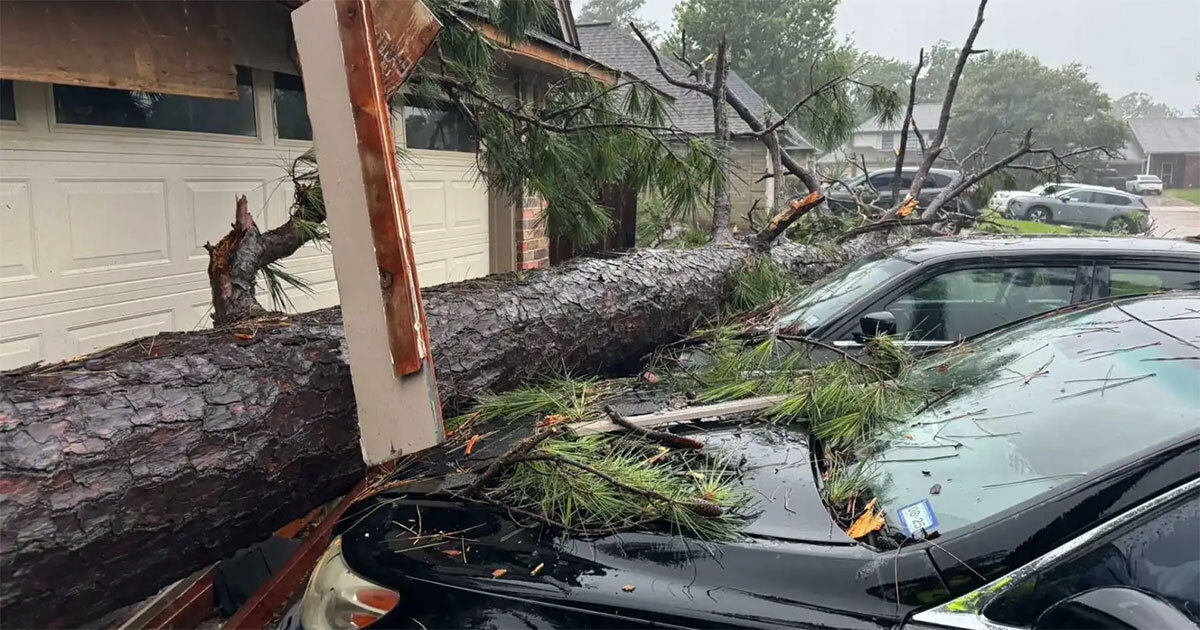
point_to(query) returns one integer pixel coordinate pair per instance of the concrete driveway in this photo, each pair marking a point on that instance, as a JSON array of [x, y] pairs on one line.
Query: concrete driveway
[[1173, 217]]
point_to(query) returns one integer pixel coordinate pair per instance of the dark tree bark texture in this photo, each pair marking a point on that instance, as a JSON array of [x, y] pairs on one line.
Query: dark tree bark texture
[[130, 468], [234, 263]]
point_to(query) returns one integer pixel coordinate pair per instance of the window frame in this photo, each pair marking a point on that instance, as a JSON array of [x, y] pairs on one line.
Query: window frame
[[1064, 196], [966, 610], [843, 328], [257, 88], [290, 142], [1103, 274]]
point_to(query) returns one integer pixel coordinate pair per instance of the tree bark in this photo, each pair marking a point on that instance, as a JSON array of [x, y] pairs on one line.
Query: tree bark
[[132, 467], [722, 204]]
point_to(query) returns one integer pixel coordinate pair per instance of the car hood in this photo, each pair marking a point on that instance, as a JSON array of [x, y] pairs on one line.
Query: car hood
[[430, 546]]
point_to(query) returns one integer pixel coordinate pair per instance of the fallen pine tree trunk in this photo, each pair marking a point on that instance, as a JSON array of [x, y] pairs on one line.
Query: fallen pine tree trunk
[[127, 469]]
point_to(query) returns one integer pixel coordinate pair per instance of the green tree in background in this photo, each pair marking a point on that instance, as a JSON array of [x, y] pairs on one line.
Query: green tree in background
[[776, 46], [1009, 92], [1142, 105], [619, 11]]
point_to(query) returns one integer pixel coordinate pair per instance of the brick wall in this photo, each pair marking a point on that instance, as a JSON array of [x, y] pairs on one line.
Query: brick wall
[[532, 245]]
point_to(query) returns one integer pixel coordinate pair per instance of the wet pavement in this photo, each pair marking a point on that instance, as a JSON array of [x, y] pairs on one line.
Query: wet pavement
[[1173, 217]]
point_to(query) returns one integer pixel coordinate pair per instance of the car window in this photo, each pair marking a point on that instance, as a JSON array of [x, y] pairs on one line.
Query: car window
[[937, 180], [1077, 195], [966, 302], [881, 181], [1040, 405], [839, 290], [1129, 281], [1114, 200], [1158, 553]]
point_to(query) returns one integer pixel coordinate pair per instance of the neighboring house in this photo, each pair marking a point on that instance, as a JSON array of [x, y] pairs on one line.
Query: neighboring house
[[616, 46], [1167, 147], [107, 196], [875, 142]]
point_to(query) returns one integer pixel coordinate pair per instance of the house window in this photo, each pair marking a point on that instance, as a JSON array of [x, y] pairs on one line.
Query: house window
[[437, 127], [889, 142], [912, 144], [8, 104], [291, 110], [106, 107]]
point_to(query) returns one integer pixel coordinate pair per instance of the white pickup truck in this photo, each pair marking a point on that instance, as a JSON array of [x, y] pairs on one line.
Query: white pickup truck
[[1145, 185]]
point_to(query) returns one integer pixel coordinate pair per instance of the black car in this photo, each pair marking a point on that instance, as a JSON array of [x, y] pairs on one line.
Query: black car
[[1073, 494], [933, 293], [876, 187]]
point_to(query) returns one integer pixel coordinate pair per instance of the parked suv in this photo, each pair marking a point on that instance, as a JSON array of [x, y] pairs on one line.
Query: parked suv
[[1100, 208], [1145, 185], [876, 187], [999, 199]]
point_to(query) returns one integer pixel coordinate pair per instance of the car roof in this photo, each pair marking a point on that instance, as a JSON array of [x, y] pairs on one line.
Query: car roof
[[938, 248], [913, 169]]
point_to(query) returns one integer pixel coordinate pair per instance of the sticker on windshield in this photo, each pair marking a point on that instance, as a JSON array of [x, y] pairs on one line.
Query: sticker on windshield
[[916, 517], [811, 320]]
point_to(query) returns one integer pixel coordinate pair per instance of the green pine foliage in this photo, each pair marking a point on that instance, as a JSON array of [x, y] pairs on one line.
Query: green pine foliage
[[580, 500], [760, 283]]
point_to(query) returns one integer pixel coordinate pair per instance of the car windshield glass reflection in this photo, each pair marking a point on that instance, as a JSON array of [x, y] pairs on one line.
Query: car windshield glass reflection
[[1039, 405], [839, 290]]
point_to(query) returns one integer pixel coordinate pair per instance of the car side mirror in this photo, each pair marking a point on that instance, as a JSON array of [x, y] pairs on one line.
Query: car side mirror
[[876, 324], [1113, 607]]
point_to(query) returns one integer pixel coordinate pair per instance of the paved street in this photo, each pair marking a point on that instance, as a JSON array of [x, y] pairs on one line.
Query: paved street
[[1173, 217]]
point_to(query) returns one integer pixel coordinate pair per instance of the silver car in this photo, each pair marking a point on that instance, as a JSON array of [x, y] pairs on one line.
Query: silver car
[[1109, 210]]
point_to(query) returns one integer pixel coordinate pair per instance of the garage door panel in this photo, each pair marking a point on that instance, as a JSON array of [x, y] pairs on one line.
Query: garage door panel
[[210, 209], [17, 253], [426, 205], [101, 240], [22, 350], [431, 272], [115, 224], [469, 207], [94, 336], [469, 265]]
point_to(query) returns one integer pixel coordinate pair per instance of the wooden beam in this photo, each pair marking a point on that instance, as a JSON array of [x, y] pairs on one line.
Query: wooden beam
[[682, 415], [268, 600], [390, 363], [170, 47], [542, 53]]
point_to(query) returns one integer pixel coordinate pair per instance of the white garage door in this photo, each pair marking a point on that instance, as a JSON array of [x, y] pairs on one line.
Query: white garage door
[[102, 229]]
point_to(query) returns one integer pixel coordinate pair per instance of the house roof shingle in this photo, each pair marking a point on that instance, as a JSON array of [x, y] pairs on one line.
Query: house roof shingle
[[1167, 135], [615, 46]]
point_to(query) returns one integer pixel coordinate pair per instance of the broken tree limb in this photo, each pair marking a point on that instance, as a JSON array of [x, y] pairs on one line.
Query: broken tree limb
[[128, 469], [672, 416]]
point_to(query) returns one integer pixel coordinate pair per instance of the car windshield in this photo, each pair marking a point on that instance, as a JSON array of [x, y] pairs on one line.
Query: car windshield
[[840, 289], [1042, 404]]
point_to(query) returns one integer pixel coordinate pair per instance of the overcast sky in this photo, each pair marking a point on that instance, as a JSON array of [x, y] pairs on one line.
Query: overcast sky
[[1149, 46]]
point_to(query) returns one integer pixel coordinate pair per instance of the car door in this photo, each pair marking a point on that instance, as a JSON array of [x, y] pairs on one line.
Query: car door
[[1073, 206], [959, 300], [1154, 548], [1115, 278]]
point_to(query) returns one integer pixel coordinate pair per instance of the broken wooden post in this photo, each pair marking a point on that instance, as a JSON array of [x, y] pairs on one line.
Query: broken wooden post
[[345, 70]]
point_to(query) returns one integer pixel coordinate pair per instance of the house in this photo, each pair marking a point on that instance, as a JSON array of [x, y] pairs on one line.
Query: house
[[117, 168], [1167, 147], [616, 46], [875, 142]]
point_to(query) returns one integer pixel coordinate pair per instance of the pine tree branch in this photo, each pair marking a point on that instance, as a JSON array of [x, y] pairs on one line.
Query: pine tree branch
[[939, 138], [658, 64], [779, 223], [722, 204], [908, 122]]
